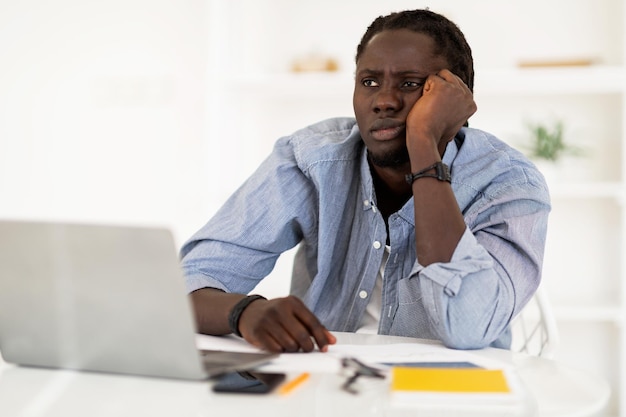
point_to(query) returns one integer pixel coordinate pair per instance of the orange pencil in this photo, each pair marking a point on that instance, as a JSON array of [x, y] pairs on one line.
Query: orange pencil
[[291, 385]]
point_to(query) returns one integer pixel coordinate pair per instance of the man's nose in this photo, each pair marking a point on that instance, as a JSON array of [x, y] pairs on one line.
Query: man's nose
[[387, 100]]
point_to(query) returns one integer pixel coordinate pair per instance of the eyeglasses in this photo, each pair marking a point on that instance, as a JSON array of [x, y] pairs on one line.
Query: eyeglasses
[[358, 369]]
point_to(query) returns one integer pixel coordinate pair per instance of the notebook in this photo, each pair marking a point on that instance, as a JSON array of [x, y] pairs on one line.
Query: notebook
[[106, 298], [462, 388]]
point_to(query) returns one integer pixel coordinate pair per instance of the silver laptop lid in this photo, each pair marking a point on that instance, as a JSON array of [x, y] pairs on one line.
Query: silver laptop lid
[[95, 297]]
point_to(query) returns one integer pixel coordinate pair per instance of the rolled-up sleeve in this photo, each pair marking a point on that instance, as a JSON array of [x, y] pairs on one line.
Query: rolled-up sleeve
[[494, 271], [468, 258], [265, 217]]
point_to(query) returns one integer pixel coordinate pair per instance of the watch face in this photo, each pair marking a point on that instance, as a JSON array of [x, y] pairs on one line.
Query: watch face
[[443, 172]]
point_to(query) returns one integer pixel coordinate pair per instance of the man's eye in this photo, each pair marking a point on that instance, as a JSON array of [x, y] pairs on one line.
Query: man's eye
[[412, 84], [370, 83]]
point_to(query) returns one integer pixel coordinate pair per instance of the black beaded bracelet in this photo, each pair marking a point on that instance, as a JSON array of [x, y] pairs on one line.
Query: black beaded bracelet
[[235, 313]]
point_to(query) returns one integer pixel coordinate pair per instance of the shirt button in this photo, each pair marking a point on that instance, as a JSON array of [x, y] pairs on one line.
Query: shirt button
[[366, 203], [376, 244], [363, 294]]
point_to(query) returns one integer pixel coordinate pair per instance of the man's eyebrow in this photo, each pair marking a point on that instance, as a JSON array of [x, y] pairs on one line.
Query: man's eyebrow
[[405, 73]]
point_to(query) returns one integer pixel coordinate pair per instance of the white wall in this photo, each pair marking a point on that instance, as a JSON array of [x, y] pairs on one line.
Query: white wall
[[102, 111]]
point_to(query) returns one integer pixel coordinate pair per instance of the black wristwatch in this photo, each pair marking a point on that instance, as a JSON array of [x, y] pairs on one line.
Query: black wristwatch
[[442, 173]]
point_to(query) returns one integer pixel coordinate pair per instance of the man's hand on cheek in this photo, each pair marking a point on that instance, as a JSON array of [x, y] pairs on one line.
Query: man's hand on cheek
[[441, 111]]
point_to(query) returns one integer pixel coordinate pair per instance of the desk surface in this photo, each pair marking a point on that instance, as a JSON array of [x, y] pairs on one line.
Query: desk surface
[[553, 390]]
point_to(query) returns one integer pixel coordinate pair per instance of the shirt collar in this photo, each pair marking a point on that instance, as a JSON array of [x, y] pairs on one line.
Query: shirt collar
[[368, 196]]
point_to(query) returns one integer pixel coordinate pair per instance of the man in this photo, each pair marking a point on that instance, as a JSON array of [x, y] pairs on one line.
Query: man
[[408, 223]]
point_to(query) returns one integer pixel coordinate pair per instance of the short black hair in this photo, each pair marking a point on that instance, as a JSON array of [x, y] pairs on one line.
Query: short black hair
[[446, 34]]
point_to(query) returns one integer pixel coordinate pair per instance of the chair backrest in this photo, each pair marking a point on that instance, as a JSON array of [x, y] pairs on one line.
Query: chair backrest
[[534, 330]]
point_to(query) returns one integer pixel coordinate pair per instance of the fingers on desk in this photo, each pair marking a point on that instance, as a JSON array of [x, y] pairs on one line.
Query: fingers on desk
[[284, 325]]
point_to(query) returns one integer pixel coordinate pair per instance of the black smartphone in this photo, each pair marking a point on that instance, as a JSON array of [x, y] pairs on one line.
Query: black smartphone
[[248, 382]]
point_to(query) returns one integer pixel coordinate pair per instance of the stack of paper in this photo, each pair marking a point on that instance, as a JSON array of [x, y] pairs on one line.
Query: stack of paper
[[461, 388]]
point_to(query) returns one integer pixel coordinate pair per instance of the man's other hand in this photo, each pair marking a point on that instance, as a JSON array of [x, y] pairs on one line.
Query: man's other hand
[[283, 325]]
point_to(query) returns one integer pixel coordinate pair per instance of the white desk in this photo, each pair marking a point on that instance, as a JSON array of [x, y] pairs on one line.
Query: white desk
[[555, 390]]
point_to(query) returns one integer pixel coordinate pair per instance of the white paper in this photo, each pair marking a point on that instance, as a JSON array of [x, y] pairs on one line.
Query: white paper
[[330, 362]]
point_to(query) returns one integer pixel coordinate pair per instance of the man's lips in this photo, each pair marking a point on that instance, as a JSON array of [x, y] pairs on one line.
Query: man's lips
[[386, 129]]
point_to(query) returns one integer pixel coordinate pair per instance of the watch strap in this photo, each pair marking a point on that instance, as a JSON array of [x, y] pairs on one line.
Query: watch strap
[[442, 173]]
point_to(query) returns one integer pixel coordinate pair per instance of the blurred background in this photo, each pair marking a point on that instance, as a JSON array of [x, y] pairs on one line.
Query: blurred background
[[152, 112]]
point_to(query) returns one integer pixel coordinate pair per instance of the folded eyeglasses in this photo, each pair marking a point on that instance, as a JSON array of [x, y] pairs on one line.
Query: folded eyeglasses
[[358, 369]]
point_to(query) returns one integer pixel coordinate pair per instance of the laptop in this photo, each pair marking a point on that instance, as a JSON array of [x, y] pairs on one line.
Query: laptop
[[106, 298]]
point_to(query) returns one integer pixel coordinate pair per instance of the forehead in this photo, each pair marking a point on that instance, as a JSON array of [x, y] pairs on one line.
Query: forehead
[[401, 47]]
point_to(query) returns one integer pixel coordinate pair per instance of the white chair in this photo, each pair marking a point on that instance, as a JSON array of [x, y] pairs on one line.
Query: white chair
[[534, 330]]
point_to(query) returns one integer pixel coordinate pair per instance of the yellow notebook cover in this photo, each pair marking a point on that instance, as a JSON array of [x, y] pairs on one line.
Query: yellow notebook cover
[[449, 380]]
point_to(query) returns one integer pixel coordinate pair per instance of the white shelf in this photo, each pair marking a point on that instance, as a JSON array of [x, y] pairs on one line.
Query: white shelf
[[586, 314], [589, 314], [587, 190], [595, 79], [301, 85]]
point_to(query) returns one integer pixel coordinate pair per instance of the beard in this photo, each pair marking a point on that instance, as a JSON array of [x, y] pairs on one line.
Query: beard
[[390, 159]]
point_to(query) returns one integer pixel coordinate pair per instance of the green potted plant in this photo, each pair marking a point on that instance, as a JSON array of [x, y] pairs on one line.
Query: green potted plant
[[547, 143], [548, 148]]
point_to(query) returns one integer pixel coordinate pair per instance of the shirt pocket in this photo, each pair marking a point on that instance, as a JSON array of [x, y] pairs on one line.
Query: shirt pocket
[[409, 291], [411, 318]]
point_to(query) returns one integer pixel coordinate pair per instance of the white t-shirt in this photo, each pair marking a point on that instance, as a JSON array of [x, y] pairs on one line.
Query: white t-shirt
[[371, 318]]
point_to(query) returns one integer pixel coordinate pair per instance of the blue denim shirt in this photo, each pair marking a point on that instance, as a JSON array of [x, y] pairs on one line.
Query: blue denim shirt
[[316, 190]]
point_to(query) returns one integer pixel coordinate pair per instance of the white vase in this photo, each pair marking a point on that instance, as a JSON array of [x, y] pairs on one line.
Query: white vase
[[549, 169], [566, 169]]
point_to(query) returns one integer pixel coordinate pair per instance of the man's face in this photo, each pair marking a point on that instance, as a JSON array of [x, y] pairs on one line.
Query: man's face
[[389, 78]]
